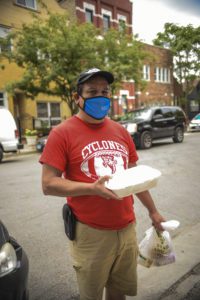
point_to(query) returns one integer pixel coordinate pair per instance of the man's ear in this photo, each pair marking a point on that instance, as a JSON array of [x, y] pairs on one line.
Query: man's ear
[[75, 96]]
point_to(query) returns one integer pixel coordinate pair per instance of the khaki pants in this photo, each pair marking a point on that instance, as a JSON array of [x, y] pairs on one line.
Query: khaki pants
[[105, 258]]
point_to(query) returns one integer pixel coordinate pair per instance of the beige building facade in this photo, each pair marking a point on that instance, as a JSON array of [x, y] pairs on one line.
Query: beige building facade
[[44, 111]]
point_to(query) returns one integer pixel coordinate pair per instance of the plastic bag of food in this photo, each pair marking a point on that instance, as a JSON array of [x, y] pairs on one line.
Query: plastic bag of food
[[156, 247]]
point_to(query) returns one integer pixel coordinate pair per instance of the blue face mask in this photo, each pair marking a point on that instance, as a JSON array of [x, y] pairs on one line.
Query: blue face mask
[[96, 107]]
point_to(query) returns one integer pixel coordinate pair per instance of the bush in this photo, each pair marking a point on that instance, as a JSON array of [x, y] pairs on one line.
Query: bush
[[29, 132]]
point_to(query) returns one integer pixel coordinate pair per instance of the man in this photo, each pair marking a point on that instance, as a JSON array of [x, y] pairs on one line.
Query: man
[[87, 149]]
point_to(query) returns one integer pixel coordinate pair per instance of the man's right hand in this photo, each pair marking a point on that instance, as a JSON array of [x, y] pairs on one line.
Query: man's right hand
[[98, 187]]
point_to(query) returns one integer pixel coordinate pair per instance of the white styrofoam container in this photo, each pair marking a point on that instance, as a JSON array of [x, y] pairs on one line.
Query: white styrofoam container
[[133, 180]]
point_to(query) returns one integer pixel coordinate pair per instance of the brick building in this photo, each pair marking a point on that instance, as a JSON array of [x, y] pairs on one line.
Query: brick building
[[157, 72], [105, 14], [157, 69], [111, 14]]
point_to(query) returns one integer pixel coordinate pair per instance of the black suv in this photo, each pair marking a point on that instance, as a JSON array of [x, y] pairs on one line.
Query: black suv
[[148, 124]]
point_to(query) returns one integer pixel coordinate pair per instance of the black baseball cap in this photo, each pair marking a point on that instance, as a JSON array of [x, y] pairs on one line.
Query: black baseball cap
[[84, 76]]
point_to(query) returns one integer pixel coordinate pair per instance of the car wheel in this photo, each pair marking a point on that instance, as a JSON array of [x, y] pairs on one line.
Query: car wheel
[[178, 135], [146, 140], [1, 154]]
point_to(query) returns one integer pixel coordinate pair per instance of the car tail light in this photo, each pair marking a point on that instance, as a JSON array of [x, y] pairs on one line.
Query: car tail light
[[16, 133]]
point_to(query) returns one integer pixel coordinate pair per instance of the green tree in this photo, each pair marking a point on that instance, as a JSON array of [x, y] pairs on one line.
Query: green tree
[[184, 42], [52, 52], [123, 56]]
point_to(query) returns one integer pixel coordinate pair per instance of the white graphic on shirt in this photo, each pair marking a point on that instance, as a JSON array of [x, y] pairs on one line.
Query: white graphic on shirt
[[109, 161], [102, 158]]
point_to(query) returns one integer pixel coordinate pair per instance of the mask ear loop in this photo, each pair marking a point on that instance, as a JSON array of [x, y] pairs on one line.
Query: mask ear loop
[[83, 109]]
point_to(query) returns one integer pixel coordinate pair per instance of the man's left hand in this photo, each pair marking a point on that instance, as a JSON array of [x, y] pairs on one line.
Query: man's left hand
[[156, 220]]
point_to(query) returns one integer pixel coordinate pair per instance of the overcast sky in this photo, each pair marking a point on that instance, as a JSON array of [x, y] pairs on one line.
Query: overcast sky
[[149, 16]]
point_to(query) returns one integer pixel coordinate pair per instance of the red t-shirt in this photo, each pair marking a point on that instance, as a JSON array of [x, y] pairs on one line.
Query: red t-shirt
[[84, 152]]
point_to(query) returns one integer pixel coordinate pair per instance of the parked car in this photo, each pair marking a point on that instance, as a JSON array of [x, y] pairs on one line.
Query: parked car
[[194, 124], [41, 142], [9, 135], [14, 268], [149, 124]]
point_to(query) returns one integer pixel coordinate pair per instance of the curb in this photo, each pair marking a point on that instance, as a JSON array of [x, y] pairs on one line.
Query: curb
[[19, 153], [187, 287]]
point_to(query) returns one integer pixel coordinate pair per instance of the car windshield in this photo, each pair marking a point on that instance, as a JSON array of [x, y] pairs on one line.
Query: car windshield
[[197, 117], [138, 114]]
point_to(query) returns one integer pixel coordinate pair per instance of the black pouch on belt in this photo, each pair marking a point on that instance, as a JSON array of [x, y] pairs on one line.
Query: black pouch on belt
[[69, 222]]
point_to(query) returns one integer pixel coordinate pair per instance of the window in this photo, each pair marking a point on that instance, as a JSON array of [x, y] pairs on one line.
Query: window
[[122, 25], [89, 15], [124, 103], [162, 75], [27, 3], [194, 106], [146, 72], [167, 112], [2, 99], [4, 47], [165, 74], [48, 114], [122, 22], [106, 22], [158, 112]]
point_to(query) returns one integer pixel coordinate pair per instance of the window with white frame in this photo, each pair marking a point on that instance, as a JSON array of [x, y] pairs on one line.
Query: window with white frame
[[106, 17], [89, 12], [124, 103], [123, 100], [27, 3], [48, 114], [122, 22], [3, 33], [165, 74], [89, 15], [122, 25], [106, 22], [146, 72], [162, 75]]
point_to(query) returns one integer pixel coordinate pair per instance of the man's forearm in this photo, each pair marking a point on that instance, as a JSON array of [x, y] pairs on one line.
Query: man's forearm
[[58, 186], [62, 187], [147, 201]]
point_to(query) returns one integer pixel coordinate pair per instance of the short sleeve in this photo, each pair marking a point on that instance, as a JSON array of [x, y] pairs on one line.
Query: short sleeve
[[55, 151]]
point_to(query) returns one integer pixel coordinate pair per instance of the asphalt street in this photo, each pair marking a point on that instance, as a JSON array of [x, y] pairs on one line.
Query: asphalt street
[[35, 221]]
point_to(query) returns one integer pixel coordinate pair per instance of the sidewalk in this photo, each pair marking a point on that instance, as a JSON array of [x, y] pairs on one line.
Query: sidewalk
[[26, 150], [180, 280], [177, 281]]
